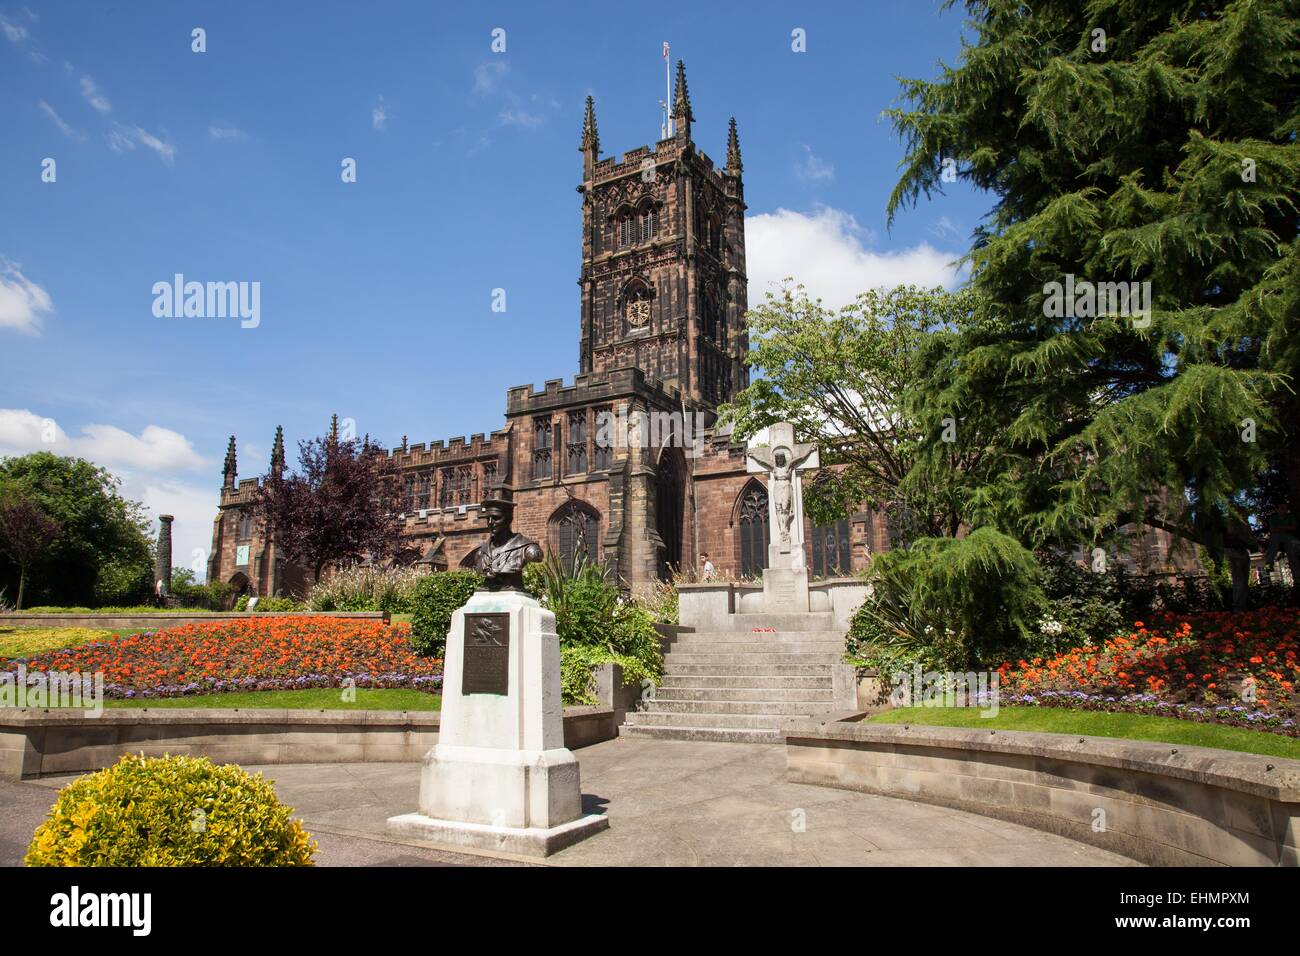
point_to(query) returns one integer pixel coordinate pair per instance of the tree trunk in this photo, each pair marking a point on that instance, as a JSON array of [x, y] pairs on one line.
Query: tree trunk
[[22, 583]]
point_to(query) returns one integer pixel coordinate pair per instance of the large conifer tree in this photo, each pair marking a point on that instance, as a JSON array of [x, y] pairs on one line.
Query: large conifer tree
[[1149, 141]]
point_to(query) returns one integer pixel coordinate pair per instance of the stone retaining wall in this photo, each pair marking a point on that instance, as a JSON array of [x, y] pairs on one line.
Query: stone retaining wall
[[41, 742], [1162, 804], [162, 619]]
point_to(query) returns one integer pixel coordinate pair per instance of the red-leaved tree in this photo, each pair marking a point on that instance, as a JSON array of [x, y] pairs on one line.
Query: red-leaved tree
[[339, 507], [26, 532]]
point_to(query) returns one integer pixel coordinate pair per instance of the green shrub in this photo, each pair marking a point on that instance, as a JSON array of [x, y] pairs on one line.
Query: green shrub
[[169, 811], [949, 603], [241, 603], [662, 603], [367, 589], [123, 582], [596, 625], [1086, 606], [434, 599], [213, 596]]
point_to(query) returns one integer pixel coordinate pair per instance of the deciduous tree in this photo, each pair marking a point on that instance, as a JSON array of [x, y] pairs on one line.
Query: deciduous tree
[[342, 504]]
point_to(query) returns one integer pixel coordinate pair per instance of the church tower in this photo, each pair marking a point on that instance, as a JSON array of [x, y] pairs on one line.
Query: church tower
[[663, 260]]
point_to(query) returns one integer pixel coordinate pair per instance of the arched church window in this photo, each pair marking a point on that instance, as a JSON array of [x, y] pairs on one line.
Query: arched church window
[[542, 447], [577, 443], [457, 487], [245, 524], [753, 531], [832, 550], [649, 223], [603, 446], [575, 531]]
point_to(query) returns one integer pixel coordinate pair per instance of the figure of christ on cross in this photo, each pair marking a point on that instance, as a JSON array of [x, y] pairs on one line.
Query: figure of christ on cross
[[782, 461]]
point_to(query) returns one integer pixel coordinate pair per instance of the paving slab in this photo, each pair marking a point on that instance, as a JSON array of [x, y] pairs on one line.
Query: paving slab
[[669, 802]]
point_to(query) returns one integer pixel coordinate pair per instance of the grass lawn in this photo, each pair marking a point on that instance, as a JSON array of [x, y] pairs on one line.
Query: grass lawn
[[26, 641], [399, 618], [1092, 723], [321, 698]]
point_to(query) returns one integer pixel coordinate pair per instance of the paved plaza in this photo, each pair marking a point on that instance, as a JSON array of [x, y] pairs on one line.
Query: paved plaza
[[670, 803]]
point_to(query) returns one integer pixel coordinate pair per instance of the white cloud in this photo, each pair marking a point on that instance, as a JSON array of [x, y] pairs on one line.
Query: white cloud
[[219, 131], [945, 228], [93, 96], [825, 251], [487, 76], [813, 168], [154, 449], [521, 118], [22, 301], [23, 431], [15, 32], [123, 138], [379, 114], [146, 464], [58, 121], [166, 150], [192, 506]]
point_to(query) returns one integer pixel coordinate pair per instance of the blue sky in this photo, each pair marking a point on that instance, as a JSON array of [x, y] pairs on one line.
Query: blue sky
[[376, 295]]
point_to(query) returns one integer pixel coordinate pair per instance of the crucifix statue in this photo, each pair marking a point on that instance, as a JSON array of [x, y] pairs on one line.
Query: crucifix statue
[[782, 460]]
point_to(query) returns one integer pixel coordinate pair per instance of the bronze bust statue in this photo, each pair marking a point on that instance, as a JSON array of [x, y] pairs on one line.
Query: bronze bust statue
[[502, 557]]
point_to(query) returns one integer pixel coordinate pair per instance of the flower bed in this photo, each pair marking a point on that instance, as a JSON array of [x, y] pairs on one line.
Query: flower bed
[[250, 654], [1221, 667]]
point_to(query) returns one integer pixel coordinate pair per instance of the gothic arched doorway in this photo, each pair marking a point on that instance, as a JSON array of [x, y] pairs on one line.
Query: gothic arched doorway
[[670, 486], [751, 531]]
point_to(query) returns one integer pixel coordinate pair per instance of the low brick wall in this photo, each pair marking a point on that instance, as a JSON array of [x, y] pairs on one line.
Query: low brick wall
[[34, 743], [1161, 804], [147, 622]]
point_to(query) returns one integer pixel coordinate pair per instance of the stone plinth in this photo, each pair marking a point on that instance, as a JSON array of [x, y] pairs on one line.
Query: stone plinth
[[500, 777]]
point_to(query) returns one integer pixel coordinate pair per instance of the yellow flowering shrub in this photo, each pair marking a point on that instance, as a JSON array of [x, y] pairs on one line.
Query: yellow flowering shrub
[[170, 811]]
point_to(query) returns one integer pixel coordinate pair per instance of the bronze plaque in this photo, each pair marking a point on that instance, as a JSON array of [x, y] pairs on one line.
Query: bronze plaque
[[486, 667]]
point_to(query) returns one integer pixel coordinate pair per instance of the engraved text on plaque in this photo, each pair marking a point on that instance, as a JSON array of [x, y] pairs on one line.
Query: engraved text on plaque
[[487, 654]]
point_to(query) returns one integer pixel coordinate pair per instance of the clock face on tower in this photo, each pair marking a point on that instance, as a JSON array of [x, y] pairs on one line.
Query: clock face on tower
[[638, 313]]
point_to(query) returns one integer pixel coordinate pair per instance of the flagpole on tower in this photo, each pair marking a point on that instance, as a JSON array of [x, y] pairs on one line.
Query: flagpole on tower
[[667, 126]]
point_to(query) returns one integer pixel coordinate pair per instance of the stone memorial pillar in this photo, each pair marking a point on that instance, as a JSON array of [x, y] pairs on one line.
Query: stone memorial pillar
[[500, 777], [783, 460], [163, 560]]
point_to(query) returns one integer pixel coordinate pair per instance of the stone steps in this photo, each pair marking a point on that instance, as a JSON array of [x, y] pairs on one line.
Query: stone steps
[[746, 637], [714, 669], [784, 708], [815, 621], [812, 695], [743, 682], [833, 648], [726, 661]]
